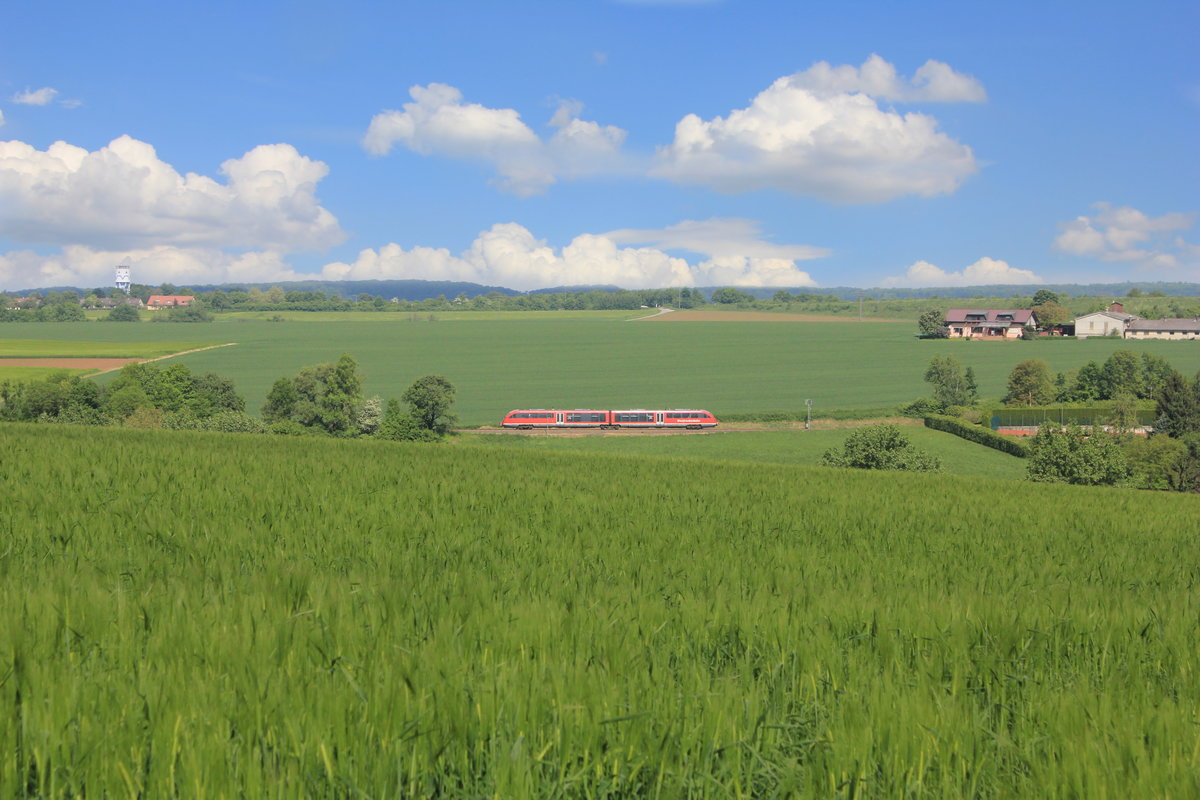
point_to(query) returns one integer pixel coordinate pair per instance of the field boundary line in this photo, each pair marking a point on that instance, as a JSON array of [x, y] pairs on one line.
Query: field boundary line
[[168, 355]]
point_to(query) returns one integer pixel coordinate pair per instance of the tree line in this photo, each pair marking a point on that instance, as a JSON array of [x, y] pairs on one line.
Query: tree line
[[1105, 453], [323, 399]]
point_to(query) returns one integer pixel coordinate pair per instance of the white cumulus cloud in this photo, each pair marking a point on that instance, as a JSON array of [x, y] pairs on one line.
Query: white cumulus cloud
[[933, 82], [438, 121], [1121, 233], [822, 133], [35, 97], [737, 253], [122, 196], [509, 255], [87, 267], [984, 272]]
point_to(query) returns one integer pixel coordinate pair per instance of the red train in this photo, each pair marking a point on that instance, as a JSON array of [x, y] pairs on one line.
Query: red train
[[529, 418]]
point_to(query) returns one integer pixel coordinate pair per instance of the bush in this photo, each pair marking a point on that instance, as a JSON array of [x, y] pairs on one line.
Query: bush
[[123, 313], [921, 407], [1068, 455], [974, 433], [233, 422], [186, 314], [881, 447]]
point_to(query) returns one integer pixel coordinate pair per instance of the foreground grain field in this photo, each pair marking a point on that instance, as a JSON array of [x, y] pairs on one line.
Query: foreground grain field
[[959, 457], [205, 615], [606, 362]]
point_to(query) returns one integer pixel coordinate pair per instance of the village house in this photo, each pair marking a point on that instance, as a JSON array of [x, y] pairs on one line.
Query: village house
[[1176, 329], [990, 323], [1110, 322], [1115, 322], [169, 301]]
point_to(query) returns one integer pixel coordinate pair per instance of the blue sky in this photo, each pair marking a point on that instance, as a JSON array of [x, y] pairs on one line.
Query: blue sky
[[532, 144]]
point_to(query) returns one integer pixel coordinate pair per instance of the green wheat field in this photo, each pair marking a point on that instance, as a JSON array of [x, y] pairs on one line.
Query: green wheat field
[[204, 615], [603, 361]]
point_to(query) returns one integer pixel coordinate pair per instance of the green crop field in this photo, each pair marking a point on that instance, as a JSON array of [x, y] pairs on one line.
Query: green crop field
[[959, 457], [428, 316], [86, 346], [207, 615], [31, 373], [605, 362]]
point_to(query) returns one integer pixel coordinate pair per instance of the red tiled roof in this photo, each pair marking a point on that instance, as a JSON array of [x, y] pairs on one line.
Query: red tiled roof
[[958, 316], [170, 300]]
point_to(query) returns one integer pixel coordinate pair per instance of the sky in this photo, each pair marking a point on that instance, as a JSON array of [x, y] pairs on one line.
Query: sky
[[637, 143]]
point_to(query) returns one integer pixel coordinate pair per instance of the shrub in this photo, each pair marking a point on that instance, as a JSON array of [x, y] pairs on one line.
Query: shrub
[[977, 434], [922, 406], [123, 313], [1068, 455], [880, 447]]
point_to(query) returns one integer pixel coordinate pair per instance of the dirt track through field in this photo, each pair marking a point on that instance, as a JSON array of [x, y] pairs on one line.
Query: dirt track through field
[[101, 365]]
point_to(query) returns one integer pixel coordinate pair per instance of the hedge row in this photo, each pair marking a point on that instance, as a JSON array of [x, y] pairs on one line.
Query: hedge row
[[978, 434]]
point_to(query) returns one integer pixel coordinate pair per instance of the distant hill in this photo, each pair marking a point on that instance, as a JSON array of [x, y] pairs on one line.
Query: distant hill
[[966, 292], [423, 290]]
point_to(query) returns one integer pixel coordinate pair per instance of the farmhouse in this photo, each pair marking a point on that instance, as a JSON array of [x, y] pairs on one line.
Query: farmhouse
[[169, 301], [1176, 329], [1104, 323], [990, 323]]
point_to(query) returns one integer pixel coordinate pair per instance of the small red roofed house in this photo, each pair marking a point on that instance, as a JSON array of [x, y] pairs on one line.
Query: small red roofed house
[[169, 301]]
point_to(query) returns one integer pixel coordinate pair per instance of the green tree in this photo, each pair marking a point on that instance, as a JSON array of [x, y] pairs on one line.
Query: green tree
[[945, 374], [281, 401], [1030, 384], [932, 323], [1051, 314], [972, 386], [123, 313], [1177, 407], [1088, 384], [880, 447], [399, 425], [1184, 475], [1043, 296], [1122, 417], [1068, 455], [1155, 371], [431, 398], [730, 296], [1154, 460], [341, 397], [1122, 372]]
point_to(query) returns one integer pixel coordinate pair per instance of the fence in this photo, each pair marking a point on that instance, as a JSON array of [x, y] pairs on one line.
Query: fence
[[1031, 417]]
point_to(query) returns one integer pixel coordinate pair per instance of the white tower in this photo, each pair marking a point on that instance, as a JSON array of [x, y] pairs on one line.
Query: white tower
[[123, 279]]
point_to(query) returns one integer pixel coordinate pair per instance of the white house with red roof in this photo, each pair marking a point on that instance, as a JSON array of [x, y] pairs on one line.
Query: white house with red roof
[[169, 301]]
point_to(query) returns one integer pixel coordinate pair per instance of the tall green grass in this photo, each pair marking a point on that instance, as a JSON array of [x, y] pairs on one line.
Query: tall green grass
[[958, 456], [197, 615]]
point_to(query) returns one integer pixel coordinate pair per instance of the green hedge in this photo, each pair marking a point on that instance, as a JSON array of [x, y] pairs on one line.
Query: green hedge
[[978, 434]]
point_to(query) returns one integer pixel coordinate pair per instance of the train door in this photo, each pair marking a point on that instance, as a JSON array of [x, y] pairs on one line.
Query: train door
[[558, 418], [658, 418]]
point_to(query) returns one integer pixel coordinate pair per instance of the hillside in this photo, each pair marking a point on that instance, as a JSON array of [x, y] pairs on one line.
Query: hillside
[[236, 614]]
